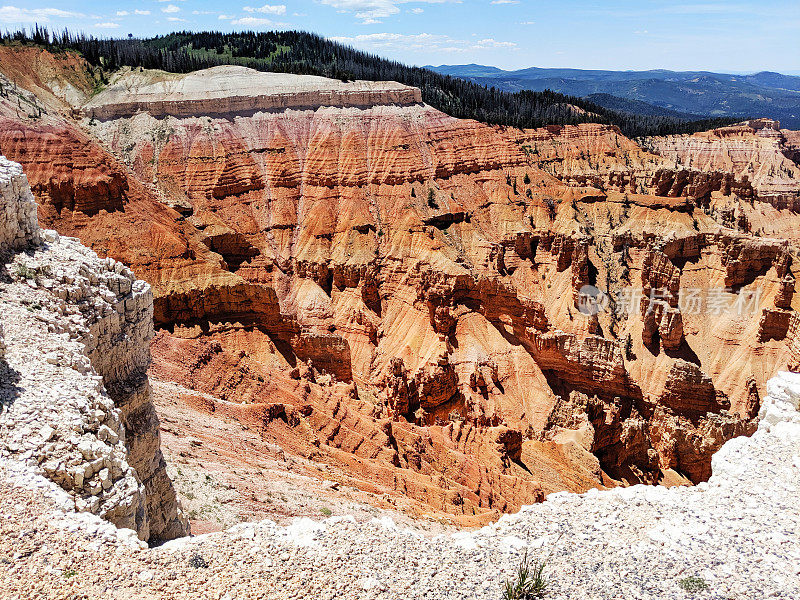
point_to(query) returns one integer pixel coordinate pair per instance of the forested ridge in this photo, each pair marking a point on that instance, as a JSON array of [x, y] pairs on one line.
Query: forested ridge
[[310, 54]]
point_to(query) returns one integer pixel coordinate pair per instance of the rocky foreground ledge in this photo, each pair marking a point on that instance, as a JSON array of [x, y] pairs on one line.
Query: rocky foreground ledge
[[75, 401], [738, 533]]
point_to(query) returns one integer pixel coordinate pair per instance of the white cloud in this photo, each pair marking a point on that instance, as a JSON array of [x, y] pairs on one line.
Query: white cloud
[[122, 13], [422, 42], [491, 43], [13, 14], [417, 11], [225, 17], [370, 11], [171, 9], [527, 22], [141, 12], [267, 9], [366, 10], [258, 22], [176, 19], [108, 25]]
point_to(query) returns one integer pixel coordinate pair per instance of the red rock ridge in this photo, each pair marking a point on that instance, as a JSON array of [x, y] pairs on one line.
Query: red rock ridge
[[395, 290]]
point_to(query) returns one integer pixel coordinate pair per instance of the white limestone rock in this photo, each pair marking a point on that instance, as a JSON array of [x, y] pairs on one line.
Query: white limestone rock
[[19, 223], [76, 341], [230, 89]]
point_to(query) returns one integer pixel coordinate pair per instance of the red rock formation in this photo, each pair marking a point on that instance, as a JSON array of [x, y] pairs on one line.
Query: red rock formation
[[67, 170], [599, 156], [754, 153], [660, 297], [688, 390], [456, 467], [774, 324], [393, 290], [686, 447], [744, 258]]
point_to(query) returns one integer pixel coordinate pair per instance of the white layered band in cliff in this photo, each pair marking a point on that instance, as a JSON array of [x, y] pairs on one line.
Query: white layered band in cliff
[[230, 90]]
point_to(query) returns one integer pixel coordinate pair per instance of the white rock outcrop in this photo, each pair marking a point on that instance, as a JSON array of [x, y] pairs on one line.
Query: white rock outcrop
[[74, 390], [19, 225], [780, 407], [233, 89]]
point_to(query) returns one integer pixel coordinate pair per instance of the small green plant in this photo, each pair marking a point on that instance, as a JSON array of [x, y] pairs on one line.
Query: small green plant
[[69, 573], [198, 562], [529, 582], [629, 348], [693, 584], [432, 199], [25, 272], [326, 511]]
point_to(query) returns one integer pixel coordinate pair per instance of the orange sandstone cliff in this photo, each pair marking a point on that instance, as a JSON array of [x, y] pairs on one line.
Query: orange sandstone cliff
[[381, 287]]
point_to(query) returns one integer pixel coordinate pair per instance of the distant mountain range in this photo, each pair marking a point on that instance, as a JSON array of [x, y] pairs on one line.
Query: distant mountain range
[[669, 93]]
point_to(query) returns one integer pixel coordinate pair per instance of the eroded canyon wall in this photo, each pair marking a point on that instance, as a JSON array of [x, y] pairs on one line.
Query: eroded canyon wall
[[755, 153], [396, 291]]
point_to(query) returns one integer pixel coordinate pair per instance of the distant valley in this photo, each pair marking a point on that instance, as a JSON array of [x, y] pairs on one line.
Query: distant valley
[[669, 93]]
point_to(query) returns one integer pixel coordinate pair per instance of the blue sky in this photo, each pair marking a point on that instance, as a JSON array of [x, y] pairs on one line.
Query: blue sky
[[719, 35]]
